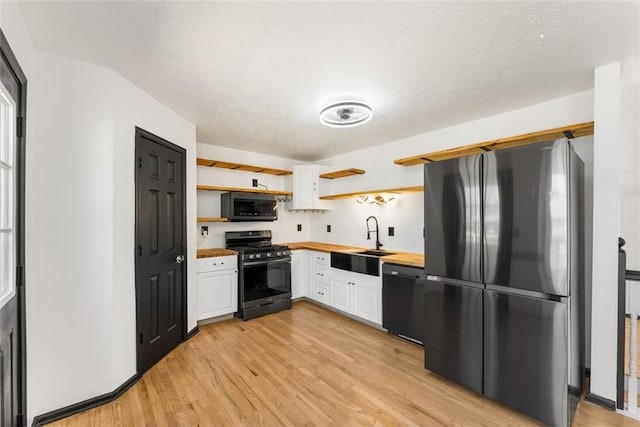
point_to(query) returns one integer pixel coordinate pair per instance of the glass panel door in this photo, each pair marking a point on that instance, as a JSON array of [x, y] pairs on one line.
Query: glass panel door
[[7, 197]]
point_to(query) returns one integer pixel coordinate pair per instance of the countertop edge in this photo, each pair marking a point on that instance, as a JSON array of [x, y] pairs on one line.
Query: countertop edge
[[403, 258]]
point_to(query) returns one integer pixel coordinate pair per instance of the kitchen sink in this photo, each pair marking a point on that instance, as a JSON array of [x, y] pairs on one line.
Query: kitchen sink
[[374, 252], [364, 262]]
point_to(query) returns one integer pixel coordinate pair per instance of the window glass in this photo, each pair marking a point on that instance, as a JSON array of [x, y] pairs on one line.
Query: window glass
[[7, 197]]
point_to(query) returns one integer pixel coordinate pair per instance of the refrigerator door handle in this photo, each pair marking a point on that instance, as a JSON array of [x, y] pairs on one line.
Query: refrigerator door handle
[[525, 293], [458, 282], [491, 217]]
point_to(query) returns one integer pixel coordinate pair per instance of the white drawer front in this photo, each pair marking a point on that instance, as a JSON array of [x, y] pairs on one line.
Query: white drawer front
[[218, 263], [322, 258]]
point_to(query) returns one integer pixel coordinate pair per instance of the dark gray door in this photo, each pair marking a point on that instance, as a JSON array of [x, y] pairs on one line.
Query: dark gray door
[[526, 217], [160, 248], [12, 295], [453, 219], [453, 332], [525, 355]]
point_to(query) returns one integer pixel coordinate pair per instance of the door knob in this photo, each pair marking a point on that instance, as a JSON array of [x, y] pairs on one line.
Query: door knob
[[179, 259]]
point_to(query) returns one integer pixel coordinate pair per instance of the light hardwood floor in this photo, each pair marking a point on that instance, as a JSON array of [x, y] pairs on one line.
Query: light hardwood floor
[[304, 366]]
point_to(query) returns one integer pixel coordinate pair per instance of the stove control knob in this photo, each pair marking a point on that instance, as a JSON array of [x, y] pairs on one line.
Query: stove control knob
[[279, 253], [268, 254], [258, 255], [251, 256]]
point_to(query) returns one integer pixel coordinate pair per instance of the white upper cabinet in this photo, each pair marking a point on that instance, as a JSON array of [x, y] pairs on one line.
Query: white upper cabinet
[[306, 188]]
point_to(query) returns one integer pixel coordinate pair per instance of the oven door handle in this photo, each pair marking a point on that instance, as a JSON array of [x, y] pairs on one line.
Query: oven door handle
[[267, 261]]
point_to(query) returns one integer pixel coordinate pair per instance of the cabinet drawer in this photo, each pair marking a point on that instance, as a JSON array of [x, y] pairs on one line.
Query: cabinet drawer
[[218, 263], [322, 258], [322, 293], [322, 274]]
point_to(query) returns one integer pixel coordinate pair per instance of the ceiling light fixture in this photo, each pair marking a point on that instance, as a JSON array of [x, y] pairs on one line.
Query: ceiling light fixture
[[346, 114]]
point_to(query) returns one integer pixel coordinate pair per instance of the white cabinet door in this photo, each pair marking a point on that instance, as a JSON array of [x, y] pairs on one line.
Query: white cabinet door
[[340, 293], [217, 293], [299, 274], [367, 301], [357, 294], [305, 186]]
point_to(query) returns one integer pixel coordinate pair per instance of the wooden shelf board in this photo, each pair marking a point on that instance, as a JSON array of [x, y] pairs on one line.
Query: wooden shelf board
[[576, 131], [399, 190], [212, 219], [342, 173], [242, 167], [243, 190]]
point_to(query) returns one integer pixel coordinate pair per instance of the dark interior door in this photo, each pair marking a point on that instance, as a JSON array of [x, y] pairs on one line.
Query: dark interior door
[[160, 230], [12, 320]]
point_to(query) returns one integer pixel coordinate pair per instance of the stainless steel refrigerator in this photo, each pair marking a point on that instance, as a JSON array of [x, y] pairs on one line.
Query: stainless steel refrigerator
[[505, 264]]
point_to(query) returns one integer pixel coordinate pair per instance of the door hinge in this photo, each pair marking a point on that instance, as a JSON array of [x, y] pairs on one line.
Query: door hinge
[[20, 276], [141, 338], [140, 250], [20, 127], [20, 419], [140, 162]]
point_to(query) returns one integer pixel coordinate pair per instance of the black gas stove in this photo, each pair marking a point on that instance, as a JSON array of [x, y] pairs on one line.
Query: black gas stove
[[264, 273]]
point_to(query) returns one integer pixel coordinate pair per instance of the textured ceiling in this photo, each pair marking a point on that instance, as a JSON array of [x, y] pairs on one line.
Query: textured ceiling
[[254, 76]]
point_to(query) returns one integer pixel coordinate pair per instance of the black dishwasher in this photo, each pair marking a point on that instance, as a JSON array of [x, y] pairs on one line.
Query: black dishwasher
[[403, 301]]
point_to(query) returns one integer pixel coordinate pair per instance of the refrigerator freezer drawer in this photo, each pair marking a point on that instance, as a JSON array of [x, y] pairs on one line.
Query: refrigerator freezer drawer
[[525, 355], [453, 332]]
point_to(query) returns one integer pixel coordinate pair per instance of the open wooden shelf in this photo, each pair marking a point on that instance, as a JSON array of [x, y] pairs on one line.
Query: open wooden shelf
[[241, 167], [243, 190], [399, 190], [212, 219], [342, 173], [572, 131]]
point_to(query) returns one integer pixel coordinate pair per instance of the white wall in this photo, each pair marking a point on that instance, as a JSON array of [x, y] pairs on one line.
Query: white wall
[[348, 223], [284, 228], [605, 230], [630, 159], [69, 244], [80, 221]]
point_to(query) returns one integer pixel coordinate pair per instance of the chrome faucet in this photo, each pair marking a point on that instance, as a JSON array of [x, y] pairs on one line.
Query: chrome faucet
[[378, 244]]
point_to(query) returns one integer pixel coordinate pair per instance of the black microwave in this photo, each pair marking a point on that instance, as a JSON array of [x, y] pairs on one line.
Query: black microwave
[[239, 206]]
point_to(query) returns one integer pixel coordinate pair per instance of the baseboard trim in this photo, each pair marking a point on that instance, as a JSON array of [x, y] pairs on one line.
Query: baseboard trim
[[192, 332], [76, 408], [600, 401]]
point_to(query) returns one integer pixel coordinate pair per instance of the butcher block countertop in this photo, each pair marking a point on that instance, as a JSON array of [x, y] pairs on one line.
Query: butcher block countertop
[[323, 247], [404, 258], [208, 253]]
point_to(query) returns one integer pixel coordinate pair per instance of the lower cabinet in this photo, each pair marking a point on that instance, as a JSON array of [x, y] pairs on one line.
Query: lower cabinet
[[299, 273], [357, 294], [319, 278], [217, 286]]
